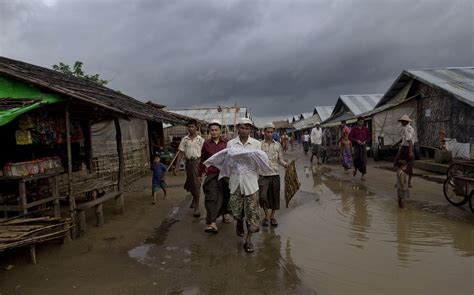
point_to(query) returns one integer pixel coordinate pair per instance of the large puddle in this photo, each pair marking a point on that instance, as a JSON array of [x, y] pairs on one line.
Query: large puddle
[[337, 238]]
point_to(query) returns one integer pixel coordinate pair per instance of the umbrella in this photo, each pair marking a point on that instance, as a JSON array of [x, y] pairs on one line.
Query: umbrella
[[292, 184]]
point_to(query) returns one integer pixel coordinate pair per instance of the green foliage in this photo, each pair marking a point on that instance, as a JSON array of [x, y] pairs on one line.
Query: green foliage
[[77, 71]]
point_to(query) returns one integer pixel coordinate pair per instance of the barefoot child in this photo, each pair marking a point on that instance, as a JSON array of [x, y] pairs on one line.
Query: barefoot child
[[159, 170], [346, 153], [402, 183]]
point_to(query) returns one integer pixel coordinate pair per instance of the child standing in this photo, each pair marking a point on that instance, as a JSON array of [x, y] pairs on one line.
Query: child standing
[[159, 170], [346, 153], [403, 192]]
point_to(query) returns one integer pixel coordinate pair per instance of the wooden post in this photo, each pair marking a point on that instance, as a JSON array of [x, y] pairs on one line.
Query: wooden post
[[118, 137], [55, 193], [72, 201], [89, 145], [22, 191]]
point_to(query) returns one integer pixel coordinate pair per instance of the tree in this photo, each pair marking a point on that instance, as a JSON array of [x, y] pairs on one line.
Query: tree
[[78, 72]]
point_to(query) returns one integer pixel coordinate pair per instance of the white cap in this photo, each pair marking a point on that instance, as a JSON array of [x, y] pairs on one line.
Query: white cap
[[268, 125], [244, 120], [215, 122]]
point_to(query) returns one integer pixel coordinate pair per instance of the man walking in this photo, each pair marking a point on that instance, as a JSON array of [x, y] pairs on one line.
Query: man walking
[[360, 137], [190, 147], [244, 187], [405, 152], [269, 183], [316, 141], [306, 141], [216, 191]]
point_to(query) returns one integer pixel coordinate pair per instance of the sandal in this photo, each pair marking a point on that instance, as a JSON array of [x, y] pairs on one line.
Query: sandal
[[248, 247], [239, 230], [273, 222], [226, 219], [211, 229], [265, 222]]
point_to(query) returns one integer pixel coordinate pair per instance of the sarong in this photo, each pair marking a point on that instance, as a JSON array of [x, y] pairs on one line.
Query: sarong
[[317, 150], [346, 159], [360, 158], [192, 184], [245, 207], [305, 146], [214, 191], [404, 154], [269, 188]]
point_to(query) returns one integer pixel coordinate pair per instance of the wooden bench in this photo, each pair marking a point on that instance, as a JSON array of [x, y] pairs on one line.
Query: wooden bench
[[97, 203]]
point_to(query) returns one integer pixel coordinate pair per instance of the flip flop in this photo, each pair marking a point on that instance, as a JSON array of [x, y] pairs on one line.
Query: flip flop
[[248, 247], [273, 222], [211, 229]]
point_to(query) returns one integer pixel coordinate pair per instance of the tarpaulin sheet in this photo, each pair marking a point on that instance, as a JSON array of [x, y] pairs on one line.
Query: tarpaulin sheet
[[386, 122], [458, 149], [7, 115]]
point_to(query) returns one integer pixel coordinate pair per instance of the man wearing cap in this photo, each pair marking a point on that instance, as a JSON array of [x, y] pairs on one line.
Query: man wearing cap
[[216, 191], [244, 187], [405, 152], [269, 183], [190, 147], [360, 137], [316, 141]]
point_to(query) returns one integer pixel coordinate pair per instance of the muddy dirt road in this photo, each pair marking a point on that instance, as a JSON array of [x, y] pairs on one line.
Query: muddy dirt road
[[339, 236]]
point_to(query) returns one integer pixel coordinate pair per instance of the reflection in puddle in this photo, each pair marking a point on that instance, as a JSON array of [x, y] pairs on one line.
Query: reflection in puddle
[[353, 241], [336, 237]]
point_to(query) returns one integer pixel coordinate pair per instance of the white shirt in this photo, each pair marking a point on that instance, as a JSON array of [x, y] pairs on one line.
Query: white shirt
[[408, 134], [316, 135], [247, 182], [306, 138], [191, 147]]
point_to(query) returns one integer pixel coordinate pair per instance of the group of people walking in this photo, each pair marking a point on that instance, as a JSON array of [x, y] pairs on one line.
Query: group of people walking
[[238, 194]]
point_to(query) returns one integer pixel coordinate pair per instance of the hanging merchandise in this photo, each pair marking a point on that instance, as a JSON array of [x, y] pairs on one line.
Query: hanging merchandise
[[23, 137]]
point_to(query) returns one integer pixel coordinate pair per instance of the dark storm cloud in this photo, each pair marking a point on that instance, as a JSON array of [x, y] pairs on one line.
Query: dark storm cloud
[[275, 57]]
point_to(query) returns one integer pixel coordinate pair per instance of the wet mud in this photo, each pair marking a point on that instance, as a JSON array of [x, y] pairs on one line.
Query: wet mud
[[337, 237]]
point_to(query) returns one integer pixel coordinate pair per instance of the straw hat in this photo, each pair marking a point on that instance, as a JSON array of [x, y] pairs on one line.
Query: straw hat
[[405, 118]]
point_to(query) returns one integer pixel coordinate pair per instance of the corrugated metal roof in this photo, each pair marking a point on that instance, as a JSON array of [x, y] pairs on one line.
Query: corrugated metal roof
[[324, 112], [307, 123], [360, 103], [458, 80], [306, 115], [229, 116], [337, 119]]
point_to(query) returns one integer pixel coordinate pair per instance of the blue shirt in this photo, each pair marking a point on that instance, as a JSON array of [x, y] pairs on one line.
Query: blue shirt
[[159, 171], [275, 136]]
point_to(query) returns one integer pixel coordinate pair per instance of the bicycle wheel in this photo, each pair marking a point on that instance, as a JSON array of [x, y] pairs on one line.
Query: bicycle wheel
[[471, 201], [449, 190]]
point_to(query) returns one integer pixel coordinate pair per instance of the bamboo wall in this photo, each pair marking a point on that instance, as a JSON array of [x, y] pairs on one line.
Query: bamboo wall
[[136, 159], [446, 113]]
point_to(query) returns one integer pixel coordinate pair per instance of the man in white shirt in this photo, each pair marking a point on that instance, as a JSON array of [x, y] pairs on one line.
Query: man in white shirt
[[244, 187], [405, 152], [190, 147], [316, 141], [306, 142]]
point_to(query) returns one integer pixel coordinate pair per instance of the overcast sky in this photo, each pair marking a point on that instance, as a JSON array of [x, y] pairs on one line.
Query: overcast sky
[[274, 57]]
